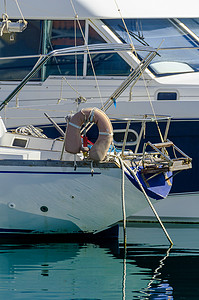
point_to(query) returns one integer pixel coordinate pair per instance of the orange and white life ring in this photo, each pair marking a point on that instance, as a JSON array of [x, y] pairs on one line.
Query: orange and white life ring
[[73, 141]]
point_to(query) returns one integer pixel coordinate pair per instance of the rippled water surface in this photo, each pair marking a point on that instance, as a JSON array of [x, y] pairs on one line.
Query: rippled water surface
[[149, 269]]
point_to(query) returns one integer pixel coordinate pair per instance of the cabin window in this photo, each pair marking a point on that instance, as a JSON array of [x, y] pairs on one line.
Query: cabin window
[[63, 34], [192, 24], [167, 96], [19, 143], [66, 34], [105, 64], [177, 44], [41, 37], [118, 137], [26, 43]]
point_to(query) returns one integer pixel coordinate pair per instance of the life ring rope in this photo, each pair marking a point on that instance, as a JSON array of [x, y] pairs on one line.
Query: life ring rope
[[73, 141], [106, 133], [74, 125]]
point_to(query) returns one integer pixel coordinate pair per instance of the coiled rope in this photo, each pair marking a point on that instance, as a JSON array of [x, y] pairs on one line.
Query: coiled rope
[[30, 130]]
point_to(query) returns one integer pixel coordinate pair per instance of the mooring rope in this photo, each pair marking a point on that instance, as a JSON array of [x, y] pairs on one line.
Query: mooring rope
[[148, 200], [123, 201]]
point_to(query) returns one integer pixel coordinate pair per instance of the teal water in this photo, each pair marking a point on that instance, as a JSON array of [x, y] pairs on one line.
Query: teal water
[[149, 270]]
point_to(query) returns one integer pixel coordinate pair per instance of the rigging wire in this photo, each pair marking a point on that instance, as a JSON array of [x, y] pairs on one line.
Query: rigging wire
[[85, 42], [133, 48], [59, 70], [58, 67], [5, 7], [75, 34], [20, 11]]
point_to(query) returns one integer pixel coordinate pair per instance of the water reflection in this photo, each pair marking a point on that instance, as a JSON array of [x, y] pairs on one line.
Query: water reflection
[[173, 271], [158, 288], [153, 286], [89, 271]]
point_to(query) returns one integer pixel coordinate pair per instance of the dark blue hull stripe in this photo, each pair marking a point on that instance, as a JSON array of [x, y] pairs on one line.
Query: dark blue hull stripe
[[50, 173]]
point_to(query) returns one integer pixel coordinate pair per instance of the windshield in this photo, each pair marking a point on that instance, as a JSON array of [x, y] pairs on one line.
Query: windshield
[[175, 36]]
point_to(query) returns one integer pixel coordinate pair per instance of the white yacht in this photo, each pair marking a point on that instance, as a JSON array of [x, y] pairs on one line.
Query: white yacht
[[168, 84], [55, 187]]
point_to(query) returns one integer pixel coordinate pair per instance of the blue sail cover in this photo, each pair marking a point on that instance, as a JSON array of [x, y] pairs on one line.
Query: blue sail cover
[[157, 187]]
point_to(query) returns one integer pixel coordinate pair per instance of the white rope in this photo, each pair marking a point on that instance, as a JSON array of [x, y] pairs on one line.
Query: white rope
[[4, 22], [20, 11], [123, 202], [123, 164], [149, 202], [124, 278], [30, 130], [75, 90]]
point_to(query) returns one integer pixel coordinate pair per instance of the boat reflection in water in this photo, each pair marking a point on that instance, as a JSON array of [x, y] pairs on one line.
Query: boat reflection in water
[[149, 270]]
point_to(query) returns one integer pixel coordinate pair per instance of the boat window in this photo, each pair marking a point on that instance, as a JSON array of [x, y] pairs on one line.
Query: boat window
[[20, 44], [19, 142], [66, 34], [192, 24], [108, 64], [167, 96], [105, 64], [41, 37], [118, 137], [180, 53], [62, 34], [177, 45]]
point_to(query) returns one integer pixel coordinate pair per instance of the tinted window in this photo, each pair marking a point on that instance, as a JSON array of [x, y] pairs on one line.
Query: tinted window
[[24, 43], [182, 47], [105, 64], [63, 34], [167, 96]]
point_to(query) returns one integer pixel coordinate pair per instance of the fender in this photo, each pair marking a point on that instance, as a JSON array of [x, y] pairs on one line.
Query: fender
[[73, 142]]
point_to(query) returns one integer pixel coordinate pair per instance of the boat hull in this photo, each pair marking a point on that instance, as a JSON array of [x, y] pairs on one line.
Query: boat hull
[[54, 197], [176, 208]]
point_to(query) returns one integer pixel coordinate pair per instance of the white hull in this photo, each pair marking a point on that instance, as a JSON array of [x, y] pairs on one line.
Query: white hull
[[72, 201], [170, 88], [36, 99], [176, 208]]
